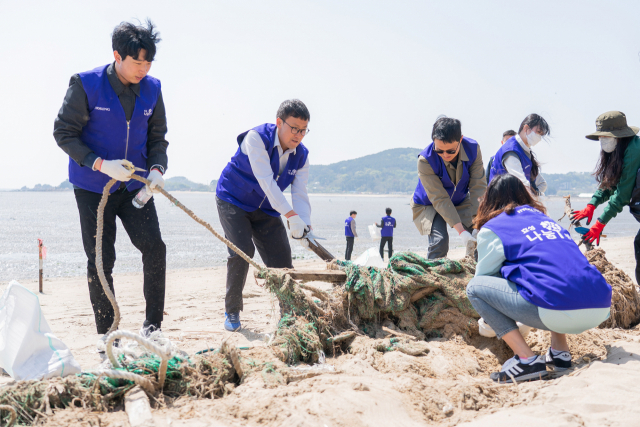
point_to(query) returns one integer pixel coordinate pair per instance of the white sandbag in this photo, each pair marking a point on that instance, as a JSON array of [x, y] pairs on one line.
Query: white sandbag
[[28, 349], [374, 232], [370, 258]]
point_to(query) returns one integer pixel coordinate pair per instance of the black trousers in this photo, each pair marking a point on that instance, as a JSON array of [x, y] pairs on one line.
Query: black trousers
[[347, 254], [636, 246], [144, 231], [248, 231], [383, 241]]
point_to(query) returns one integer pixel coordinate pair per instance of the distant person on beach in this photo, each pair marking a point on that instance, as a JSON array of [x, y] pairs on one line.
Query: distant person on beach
[[505, 136], [350, 233], [250, 198], [531, 271], [618, 175], [387, 223], [112, 115], [451, 180], [516, 157]]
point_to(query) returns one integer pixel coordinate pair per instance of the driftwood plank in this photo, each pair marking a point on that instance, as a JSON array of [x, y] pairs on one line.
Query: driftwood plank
[[334, 276]]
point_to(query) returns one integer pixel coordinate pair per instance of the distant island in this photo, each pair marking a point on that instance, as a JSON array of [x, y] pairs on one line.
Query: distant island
[[391, 171]]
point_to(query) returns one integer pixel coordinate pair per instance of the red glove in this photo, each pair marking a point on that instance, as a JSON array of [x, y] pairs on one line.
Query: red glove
[[584, 213], [594, 233]]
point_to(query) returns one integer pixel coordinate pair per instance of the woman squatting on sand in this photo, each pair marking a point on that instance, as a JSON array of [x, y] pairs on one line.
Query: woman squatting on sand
[[531, 271]]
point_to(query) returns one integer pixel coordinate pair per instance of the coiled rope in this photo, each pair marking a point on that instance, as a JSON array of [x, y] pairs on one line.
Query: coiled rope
[[14, 414], [113, 334]]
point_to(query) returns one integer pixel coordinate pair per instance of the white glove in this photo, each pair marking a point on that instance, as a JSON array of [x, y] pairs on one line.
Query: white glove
[[305, 244], [296, 227], [116, 170], [467, 237], [156, 180]]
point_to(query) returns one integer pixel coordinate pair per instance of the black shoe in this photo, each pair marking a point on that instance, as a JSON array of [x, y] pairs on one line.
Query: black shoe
[[148, 328], [514, 369], [560, 361]]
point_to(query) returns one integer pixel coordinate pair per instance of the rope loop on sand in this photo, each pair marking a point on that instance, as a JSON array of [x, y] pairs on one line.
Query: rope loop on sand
[[14, 414], [149, 345], [100, 266]]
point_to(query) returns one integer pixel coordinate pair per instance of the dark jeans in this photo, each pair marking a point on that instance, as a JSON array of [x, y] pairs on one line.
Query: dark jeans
[[347, 254], [439, 238], [383, 241], [636, 246], [144, 231], [248, 231]]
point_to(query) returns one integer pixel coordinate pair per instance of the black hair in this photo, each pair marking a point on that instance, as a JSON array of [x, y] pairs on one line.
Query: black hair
[[534, 120], [609, 167], [128, 39], [509, 132], [293, 108], [504, 194], [388, 211], [447, 130], [353, 212]]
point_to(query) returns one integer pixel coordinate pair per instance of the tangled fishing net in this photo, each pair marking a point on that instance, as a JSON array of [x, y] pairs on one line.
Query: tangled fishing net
[[379, 310], [414, 298]]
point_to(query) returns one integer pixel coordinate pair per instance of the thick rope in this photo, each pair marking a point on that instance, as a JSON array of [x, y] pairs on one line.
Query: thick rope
[[149, 345], [14, 414], [100, 266], [143, 382]]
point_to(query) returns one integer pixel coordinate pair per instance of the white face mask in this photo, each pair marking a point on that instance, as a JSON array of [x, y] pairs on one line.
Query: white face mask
[[608, 143], [533, 138]]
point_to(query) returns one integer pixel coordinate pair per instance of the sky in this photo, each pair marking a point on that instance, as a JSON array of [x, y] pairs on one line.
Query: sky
[[374, 74]]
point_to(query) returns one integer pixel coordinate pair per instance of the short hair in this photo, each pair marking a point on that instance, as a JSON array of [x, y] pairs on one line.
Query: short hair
[[353, 213], [447, 130], [509, 132], [388, 211], [293, 108], [534, 120], [128, 39]]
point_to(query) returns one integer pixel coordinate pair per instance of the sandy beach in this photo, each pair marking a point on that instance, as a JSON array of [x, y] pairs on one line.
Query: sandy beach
[[367, 390]]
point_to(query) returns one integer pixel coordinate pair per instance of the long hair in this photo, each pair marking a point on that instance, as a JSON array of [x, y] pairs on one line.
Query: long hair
[[609, 167], [533, 120], [504, 194]]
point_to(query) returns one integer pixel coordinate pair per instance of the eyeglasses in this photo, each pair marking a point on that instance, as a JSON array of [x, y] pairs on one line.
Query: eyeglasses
[[448, 151], [296, 131]]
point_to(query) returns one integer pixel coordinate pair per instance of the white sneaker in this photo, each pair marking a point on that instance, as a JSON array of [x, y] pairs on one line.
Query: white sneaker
[[487, 331], [101, 345]]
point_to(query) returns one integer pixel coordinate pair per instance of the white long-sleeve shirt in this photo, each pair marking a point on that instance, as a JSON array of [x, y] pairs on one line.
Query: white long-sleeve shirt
[[513, 165], [253, 146]]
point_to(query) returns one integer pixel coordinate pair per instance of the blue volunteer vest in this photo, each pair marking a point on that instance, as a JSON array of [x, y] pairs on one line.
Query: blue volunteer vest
[[239, 186], [458, 192], [387, 226], [347, 227], [546, 264], [107, 133], [511, 145]]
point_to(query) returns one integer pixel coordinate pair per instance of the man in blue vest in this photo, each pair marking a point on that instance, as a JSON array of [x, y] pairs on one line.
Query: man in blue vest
[[387, 223], [250, 199], [451, 180], [113, 115], [505, 137], [350, 233]]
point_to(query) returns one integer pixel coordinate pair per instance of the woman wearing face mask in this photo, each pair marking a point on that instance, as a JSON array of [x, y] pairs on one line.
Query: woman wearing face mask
[[516, 158], [616, 173]]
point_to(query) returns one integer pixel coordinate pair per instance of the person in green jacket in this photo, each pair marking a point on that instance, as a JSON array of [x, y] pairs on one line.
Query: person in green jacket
[[616, 173]]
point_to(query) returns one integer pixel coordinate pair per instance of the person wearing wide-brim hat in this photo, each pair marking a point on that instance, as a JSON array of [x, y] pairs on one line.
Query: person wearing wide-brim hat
[[616, 173]]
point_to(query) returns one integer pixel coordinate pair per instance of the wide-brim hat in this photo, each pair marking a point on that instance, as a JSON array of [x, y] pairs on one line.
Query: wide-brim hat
[[612, 123]]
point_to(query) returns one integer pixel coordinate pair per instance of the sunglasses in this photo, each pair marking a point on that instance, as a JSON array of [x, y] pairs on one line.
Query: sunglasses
[[448, 151]]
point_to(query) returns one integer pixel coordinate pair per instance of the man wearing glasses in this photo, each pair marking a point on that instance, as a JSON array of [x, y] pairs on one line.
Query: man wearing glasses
[[250, 199], [451, 179]]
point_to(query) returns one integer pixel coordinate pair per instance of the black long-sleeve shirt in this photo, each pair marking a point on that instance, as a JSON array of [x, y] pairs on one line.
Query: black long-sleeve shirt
[[74, 115]]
